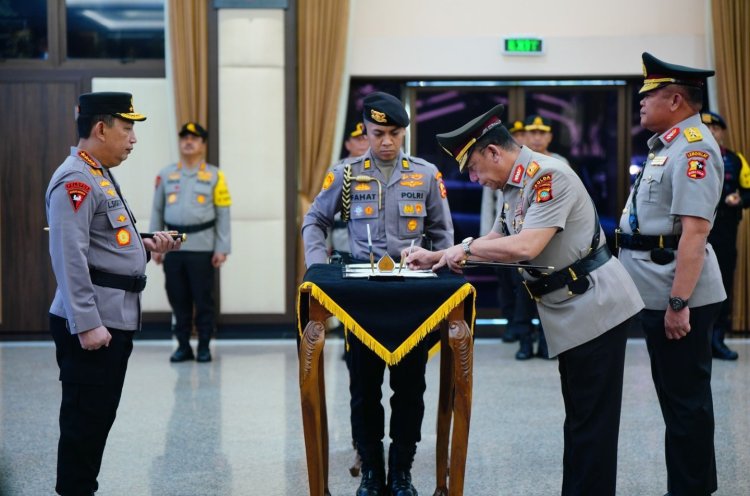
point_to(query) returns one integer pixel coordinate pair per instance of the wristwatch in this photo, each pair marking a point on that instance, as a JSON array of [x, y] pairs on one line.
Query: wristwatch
[[677, 303], [466, 245]]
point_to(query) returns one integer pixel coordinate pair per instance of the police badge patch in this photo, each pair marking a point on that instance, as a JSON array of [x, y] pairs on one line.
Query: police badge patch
[[77, 192], [543, 188]]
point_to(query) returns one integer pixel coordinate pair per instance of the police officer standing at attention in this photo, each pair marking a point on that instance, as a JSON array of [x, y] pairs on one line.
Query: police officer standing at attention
[[585, 303], [735, 196], [192, 197], [662, 240], [99, 261], [402, 198]]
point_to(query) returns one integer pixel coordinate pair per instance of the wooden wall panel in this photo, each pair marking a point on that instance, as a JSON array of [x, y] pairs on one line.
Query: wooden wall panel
[[37, 131]]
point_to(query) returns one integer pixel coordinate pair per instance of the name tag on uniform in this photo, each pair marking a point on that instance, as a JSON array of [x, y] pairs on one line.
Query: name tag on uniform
[[660, 160]]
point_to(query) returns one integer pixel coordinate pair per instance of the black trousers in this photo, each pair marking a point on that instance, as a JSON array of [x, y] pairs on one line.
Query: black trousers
[[91, 388], [591, 380], [190, 290], [407, 381], [723, 238], [681, 370]]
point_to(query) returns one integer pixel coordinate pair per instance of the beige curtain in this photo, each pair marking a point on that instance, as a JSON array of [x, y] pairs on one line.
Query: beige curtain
[[321, 48], [188, 38], [731, 19]]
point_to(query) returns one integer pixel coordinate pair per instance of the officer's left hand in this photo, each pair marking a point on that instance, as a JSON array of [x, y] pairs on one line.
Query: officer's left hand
[[453, 257], [218, 259], [162, 243], [732, 199], [677, 324]]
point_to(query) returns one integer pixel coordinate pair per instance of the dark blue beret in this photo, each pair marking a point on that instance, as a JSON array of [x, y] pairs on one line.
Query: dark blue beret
[[384, 109]]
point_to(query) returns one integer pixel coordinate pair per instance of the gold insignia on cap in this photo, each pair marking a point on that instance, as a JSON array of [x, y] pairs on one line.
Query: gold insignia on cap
[[645, 72], [378, 116], [191, 128], [131, 105]]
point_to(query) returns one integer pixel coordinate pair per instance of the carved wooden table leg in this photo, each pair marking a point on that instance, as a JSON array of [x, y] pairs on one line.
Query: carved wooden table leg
[[463, 363], [312, 393], [444, 413]]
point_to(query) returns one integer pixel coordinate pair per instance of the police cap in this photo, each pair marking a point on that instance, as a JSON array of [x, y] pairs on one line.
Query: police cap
[[460, 142], [713, 118], [109, 103], [384, 109], [517, 127], [355, 130], [536, 122], [657, 73], [195, 129]]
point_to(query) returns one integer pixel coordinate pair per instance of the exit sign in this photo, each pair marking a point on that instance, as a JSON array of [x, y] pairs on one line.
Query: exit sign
[[523, 46]]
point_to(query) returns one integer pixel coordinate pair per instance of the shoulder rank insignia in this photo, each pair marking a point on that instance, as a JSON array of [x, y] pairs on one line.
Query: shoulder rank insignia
[[87, 158], [328, 180], [532, 169], [671, 134], [405, 164], [96, 172], [77, 192], [693, 134]]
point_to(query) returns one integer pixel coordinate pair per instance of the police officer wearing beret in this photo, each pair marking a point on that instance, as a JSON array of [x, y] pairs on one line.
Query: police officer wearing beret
[[662, 239], [192, 197], [735, 196], [99, 261], [402, 198], [585, 303]]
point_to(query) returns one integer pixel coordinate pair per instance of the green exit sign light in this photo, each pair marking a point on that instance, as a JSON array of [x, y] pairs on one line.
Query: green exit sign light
[[523, 46]]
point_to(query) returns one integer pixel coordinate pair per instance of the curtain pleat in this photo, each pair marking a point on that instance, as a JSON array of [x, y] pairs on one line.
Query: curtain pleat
[[731, 21], [321, 47]]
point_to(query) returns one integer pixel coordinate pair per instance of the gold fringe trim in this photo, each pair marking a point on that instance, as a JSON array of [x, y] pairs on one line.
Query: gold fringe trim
[[390, 358]]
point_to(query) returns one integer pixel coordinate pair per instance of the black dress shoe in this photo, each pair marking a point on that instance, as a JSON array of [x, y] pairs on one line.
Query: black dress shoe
[[372, 484], [399, 482], [722, 352], [526, 348], [182, 355], [204, 355]]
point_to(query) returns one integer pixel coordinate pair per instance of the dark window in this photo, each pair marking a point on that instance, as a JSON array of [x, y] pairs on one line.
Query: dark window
[[23, 29], [115, 29]]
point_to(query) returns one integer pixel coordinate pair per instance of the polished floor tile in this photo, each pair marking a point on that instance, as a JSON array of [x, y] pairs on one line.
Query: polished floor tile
[[233, 426]]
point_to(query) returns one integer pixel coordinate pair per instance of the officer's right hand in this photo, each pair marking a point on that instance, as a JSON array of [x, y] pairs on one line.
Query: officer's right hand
[[157, 257], [95, 338], [419, 259]]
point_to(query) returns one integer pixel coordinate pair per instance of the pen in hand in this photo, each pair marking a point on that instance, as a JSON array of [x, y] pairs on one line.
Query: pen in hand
[[401, 263]]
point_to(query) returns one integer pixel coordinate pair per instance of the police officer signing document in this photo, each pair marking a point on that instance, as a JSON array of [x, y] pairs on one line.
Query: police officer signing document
[[99, 260], [401, 198], [663, 246], [585, 303]]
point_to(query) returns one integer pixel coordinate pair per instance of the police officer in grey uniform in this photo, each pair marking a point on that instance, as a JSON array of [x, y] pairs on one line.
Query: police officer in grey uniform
[[662, 239], [192, 197], [585, 303], [401, 198], [99, 261]]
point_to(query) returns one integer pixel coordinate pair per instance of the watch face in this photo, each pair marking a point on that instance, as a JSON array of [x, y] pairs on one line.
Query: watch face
[[677, 303]]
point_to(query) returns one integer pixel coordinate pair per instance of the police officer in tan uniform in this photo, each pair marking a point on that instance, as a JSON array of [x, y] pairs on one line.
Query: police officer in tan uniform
[[192, 197], [99, 261], [402, 198], [662, 239], [585, 303]]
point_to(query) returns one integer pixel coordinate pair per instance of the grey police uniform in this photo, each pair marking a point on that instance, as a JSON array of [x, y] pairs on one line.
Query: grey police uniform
[[543, 192], [682, 176], [189, 198], [412, 203], [91, 227]]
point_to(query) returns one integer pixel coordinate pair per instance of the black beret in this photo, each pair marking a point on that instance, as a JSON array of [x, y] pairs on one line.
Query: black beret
[[109, 103], [384, 109], [517, 127], [713, 118], [195, 129], [536, 122], [657, 73], [458, 143]]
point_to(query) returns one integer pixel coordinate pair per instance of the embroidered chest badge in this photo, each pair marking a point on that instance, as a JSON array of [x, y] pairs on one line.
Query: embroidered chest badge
[[77, 192], [123, 237], [660, 160], [441, 185]]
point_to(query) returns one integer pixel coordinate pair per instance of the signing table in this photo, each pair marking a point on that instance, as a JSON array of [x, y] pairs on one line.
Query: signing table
[[390, 317]]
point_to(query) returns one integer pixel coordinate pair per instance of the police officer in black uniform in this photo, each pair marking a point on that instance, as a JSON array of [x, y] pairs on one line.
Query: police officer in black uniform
[[99, 261], [402, 198], [735, 196]]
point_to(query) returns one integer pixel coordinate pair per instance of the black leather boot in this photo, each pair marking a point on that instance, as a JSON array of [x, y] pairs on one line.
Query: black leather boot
[[373, 470], [400, 459], [204, 353], [526, 347], [719, 349], [183, 352]]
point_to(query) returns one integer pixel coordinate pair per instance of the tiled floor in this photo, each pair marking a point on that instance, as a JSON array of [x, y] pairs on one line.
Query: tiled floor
[[233, 427]]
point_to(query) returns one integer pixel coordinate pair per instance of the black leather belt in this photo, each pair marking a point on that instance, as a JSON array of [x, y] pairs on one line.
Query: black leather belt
[[192, 229], [573, 276], [643, 242], [134, 284]]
